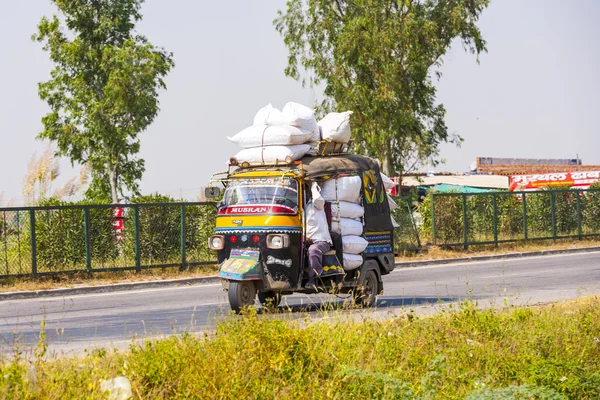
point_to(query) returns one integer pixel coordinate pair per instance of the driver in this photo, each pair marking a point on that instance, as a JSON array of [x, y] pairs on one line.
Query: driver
[[317, 233]]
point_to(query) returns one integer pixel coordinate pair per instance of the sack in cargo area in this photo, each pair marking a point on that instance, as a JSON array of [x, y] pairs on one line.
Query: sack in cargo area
[[352, 261], [346, 188], [344, 209], [268, 115], [335, 127], [347, 226], [393, 205], [302, 117], [354, 244], [272, 154], [266, 135], [387, 182]]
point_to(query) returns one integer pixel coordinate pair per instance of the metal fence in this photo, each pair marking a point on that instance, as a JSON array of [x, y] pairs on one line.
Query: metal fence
[[98, 238], [406, 234], [464, 219]]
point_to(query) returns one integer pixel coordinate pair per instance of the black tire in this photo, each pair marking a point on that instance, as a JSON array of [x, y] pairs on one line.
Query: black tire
[[241, 294], [366, 296], [269, 299]]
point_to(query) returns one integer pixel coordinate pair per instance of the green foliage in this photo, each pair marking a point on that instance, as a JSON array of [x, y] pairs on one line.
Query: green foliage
[[591, 209], [160, 230], [406, 234], [378, 58], [464, 352], [510, 219], [103, 89], [60, 236], [448, 219], [517, 392]]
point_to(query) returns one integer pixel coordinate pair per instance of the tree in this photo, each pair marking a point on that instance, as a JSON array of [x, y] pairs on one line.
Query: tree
[[378, 59], [103, 90]]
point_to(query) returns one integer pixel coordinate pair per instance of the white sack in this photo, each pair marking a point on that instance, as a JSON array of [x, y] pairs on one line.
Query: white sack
[[392, 203], [354, 244], [394, 223], [387, 182], [346, 188], [352, 261], [265, 135], [347, 226], [268, 115], [344, 209], [272, 154], [335, 127], [302, 117]]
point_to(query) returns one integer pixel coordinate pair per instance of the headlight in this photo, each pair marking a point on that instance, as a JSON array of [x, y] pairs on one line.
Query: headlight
[[278, 241], [216, 242]]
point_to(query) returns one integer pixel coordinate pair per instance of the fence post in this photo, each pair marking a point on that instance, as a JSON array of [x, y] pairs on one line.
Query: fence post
[[88, 251], [525, 236], [494, 201], [465, 224], [579, 228], [433, 216], [5, 240], [183, 258], [33, 242], [553, 212], [136, 225]]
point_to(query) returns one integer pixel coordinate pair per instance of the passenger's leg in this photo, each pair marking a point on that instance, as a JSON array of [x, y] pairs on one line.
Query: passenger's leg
[[315, 258]]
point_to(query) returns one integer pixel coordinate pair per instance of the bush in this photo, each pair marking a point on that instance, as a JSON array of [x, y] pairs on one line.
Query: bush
[[448, 219], [591, 210], [160, 230], [60, 236]]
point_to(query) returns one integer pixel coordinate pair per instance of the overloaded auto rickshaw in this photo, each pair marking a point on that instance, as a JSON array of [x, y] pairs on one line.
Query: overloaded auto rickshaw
[[260, 231]]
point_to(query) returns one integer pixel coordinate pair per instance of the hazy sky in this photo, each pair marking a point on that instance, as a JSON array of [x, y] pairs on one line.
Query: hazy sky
[[535, 94]]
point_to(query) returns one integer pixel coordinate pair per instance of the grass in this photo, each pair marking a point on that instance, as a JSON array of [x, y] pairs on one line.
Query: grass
[[545, 352]]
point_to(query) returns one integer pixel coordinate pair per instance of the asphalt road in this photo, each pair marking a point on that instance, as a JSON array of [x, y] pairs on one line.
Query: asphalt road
[[113, 319]]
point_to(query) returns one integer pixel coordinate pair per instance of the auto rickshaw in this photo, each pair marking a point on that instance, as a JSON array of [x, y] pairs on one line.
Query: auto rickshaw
[[260, 232]]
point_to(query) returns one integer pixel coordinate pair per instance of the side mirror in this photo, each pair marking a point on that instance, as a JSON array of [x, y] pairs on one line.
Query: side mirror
[[212, 192]]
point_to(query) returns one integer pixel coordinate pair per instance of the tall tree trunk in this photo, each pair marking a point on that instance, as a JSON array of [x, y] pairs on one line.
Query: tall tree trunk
[[388, 161], [112, 178]]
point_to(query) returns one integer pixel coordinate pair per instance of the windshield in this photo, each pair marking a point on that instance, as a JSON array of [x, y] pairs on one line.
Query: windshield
[[271, 195]]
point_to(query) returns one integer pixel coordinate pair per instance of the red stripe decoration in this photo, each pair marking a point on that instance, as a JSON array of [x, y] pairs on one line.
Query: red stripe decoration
[[256, 209]]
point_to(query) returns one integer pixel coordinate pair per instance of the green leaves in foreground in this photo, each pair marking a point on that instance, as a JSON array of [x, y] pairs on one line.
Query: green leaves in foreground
[[550, 352]]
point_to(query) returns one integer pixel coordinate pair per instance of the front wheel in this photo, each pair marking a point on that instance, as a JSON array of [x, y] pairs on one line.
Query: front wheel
[[367, 296], [269, 299], [241, 294]]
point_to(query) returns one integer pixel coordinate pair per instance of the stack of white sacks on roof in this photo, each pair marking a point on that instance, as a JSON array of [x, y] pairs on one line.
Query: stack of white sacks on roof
[[287, 135]]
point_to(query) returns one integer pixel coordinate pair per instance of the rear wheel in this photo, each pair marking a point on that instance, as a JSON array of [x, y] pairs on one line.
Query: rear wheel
[[241, 294], [367, 295], [269, 299]]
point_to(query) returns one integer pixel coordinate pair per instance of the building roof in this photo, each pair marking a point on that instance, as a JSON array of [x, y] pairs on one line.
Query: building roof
[[476, 181]]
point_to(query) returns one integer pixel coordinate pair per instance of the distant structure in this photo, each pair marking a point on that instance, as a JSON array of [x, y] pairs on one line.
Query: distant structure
[[524, 166]]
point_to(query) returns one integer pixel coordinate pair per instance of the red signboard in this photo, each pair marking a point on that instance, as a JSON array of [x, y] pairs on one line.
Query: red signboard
[[118, 222], [579, 179]]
